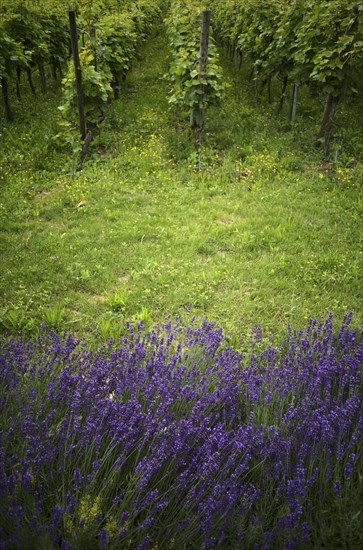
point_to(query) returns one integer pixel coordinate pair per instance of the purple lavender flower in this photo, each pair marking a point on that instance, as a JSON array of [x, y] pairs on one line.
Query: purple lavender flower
[[338, 488], [77, 478], [175, 423], [122, 534], [349, 467], [103, 538]]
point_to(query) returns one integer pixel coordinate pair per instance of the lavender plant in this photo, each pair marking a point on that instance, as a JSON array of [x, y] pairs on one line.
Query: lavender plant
[[171, 439]]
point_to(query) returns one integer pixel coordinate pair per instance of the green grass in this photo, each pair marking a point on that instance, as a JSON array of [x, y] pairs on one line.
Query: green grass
[[273, 246]]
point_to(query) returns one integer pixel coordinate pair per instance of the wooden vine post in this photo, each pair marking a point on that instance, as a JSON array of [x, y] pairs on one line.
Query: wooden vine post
[[295, 96], [204, 41], [203, 60], [295, 93], [78, 73], [5, 89]]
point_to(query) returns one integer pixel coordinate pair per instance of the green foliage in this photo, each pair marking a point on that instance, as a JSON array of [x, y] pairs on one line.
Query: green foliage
[[117, 38], [144, 316], [190, 90], [53, 316], [27, 29], [11, 55], [116, 302], [257, 30], [329, 43], [57, 35], [111, 31], [30, 36], [96, 88], [107, 43], [110, 328], [318, 44], [15, 320], [313, 42]]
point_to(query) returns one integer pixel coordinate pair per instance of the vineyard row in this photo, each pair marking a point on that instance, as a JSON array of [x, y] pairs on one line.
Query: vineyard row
[[109, 33], [302, 42]]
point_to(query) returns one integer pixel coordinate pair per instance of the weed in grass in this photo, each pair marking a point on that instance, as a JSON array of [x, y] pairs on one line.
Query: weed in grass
[[54, 316], [116, 302], [111, 328], [144, 316], [15, 320]]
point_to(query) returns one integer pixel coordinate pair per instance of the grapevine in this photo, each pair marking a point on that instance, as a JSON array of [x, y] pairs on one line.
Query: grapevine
[[191, 90]]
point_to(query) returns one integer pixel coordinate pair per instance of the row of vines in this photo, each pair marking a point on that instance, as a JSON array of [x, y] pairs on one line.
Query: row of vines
[[108, 42], [195, 75], [299, 42], [31, 39], [36, 38]]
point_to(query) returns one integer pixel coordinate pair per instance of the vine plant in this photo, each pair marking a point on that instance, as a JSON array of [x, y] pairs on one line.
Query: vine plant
[[108, 44], [191, 91]]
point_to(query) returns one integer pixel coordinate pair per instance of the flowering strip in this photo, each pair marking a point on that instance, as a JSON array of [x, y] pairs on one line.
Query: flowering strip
[[172, 438]]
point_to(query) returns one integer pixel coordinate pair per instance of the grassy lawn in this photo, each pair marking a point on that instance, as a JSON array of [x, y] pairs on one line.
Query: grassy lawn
[[265, 233]]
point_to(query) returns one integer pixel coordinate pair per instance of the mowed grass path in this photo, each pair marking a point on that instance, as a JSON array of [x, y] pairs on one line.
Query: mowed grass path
[[263, 234]]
